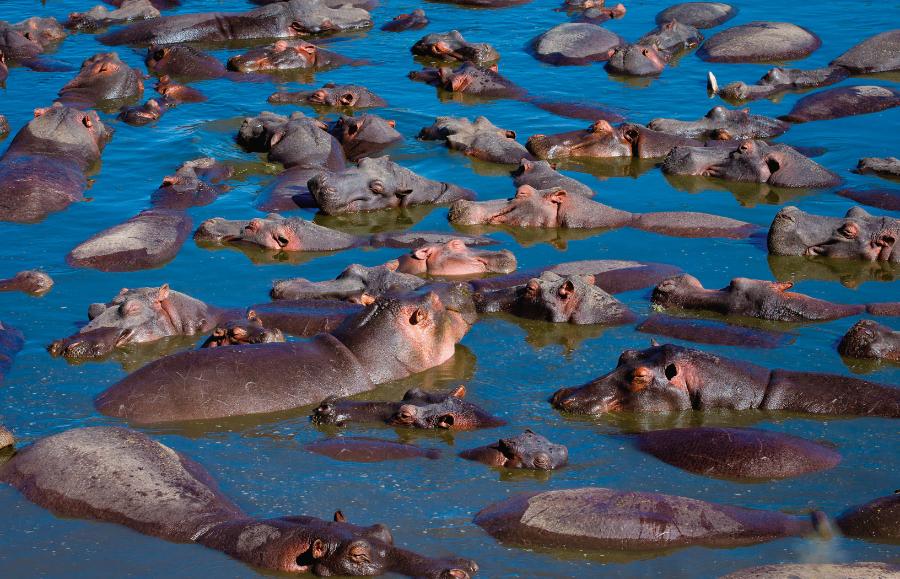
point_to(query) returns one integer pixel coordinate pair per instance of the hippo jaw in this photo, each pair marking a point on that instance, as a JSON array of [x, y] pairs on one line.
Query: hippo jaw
[[91, 344]]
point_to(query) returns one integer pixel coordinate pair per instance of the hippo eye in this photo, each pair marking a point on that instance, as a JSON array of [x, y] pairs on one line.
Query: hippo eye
[[376, 186], [745, 147], [849, 230], [159, 54], [281, 240]]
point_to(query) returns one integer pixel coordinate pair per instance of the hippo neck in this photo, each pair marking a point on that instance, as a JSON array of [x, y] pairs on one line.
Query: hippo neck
[[233, 536], [718, 382], [706, 299], [189, 315]]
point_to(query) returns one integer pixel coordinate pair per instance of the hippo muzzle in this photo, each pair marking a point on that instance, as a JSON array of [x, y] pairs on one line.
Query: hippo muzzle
[[464, 212], [91, 344]]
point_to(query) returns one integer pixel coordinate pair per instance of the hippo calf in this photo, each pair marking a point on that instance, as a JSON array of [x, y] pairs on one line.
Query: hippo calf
[[339, 412], [196, 182], [455, 258], [362, 449], [286, 55], [868, 339], [526, 451], [30, 281], [250, 330], [356, 284], [332, 96]]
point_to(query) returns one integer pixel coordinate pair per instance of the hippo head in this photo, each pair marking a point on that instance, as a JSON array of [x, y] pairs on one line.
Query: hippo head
[[364, 135], [452, 46], [256, 132], [469, 78], [451, 413], [400, 335], [750, 161], [32, 281], [455, 258], [600, 140], [80, 135], [858, 235], [571, 298], [102, 76], [344, 96], [529, 208], [636, 60], [43, 31], [281, 55], [17, 46], [869, 339], [133, 316], [195, 178], [330, 412], [526, 451], [273, 232], [303, 18], [247, 331]]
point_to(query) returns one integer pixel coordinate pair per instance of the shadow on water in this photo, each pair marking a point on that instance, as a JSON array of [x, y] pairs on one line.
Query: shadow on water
[[849, 272]]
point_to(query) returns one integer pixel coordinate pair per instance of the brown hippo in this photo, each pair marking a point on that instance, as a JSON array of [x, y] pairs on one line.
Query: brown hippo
[[43, 170], [575, 43], [880, 53], [452, 47], [542, 175], [332, 96], [608, 519], [698, 14], [392, 338], [882, 166], [158, 4], [250, 330], [671, 378], [555, 208], [196, 182], [339, 412], [760, 42], [30, 281], [869, 339], [23, 42], [100, 16], [525, 451], [742, 454], [103, 82], [711, 332], [862, 570], [356, 284], [118, 475], [455, 258], [287, 55], [295, 141], [752, 298], [842, 102], [592, 11], [175, 94], [858, 235], [776, 81], [11, 341], [362, 449], [480, 139], [184, 62], [636, 60], [280, 20], [140, 115], [407, 21], [887, 199], [364, 136], [877, 520], [722, 124]]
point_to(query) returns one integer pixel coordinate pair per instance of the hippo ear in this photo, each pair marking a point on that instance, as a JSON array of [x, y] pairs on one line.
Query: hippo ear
[[163, 293], [510, 134], [392, 123], [458, 392], [318, 549], [589, 279], [418, 316], [566, 289], [423, 253], [494, 68], [782, 286], [339, 517], [525, 191], [654, 343], [557, 196], [347, 99], [276, 138], [251, 316], [445, 421]]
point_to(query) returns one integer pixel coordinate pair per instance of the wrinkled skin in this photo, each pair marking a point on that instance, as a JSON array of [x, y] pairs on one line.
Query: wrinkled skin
[[671, 378], [455, 258], [196, 182], [451, 46], [777, 81], [356, 284], [175, 94], [862, 570], [525, 451], [291, 19], [390, 339], [841, 102], [11, 342], [480, 139], [760, 42], [43, 170], [364, 136], [362, 449], [334, 96], [30, 281], [250, 330], [878, 520], [577, 43], [286, 55], [881, 166], [408, 21], [858, 235], [379, 183], [880, 53], [184, 62], [541, 175], [101, 17], [869, 339], [636, 60], [339, 412], [743, 454], [672, 37], [723, 124], [613, 520], [103, 77], [137, 316], [751, 298], [295, 141], [750, 161], [698, 14], [144, 114], [121, 475]]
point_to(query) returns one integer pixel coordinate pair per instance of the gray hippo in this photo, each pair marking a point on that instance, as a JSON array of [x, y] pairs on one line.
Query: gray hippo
[[543, 175], [121, 476], [526, 451], [705, 331], [330, 96], [776, 81], [407, 21], [286, 55], [721, 123], [237, 331], [455, 259], [858, 235], [364, 449], [760, 42], [698, 14], [365, 135], [104, 82], [843, 101], [886, 167], [868, 339], [30, 281], [100, 16], [480, 139], [574, 43], [452, 47], [356, 284], [861, 570], [196, 182]]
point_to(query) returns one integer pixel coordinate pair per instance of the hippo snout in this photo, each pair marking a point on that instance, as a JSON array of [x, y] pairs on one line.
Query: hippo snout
[[463, 212], [87, 345]]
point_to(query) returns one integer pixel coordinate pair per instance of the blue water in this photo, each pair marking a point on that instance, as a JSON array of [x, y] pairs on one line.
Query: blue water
[[509, 367]]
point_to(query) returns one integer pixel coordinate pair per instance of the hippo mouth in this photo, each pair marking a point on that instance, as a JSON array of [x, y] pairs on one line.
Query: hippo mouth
[[92, 344], [569, 400]]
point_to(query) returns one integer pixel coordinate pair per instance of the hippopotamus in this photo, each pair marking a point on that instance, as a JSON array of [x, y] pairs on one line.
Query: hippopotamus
[[364, 136], [869, 339], [144, 114], [742, 454], [337, 411], [287, 55], [858, 235], [883, 308], [881, 166], [750, 161], [184, 62], [356, 284], [636, 60], [573, 299], [158, 4], [723, 124], [541, 175], [592, 11], [362, 449], [760, 42], [613, 520], [379, 183], [24, 41], [175, 94], [671, 378], [455, 258], [419, 331], [698, 14], [880, 53], [103, 80], [672, 37], [295, 141], [250, 330], [196, 182], [7, 440], [11, 342], [452, 47], [4, 74], [575, 43], [480, 139], [776, 81], [102, 17], [280, 20], [862, 570], [711, 332], [30, 281], [304, 317], [407, 21], [451, 413], [555, 208], [876, 520], [525, 451], [751, 298], [488, 83], [332, 96], [43, 170], [888, 199], [841, 102], [117, 475]]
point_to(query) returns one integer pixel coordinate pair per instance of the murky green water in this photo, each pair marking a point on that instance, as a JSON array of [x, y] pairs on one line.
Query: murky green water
[[509, 367]]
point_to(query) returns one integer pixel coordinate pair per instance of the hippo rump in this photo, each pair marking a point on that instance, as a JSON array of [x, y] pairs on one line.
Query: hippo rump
[[868, 339], [776, 81], [480, 139], [877, 520], [43, 170], [11, 342], [607, 519], [407, 21], [121, 476], [364, 449], [528, 451], [886, 167], [880, 53], [418, 331], [843, 101], [281, 20], [30, 281], [451, 46], [671, 378], [575, 43], [706, 331], [100, 16], [858, 235], [104, 82], [760, 42], [882, 198], [861, 570], [698, 14]]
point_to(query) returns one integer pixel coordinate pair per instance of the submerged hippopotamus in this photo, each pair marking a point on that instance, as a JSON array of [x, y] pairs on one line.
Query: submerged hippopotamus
[[196, 182], [760, 42], [332, 96], [612, 520], [379, 183], [183, 62], [117, 475], [842, 102], [555, 208], [575, 43], [144, 114], [295, 141], [882, 166], [525, 451], [280, 20], [356, 284], [743, 454], [776, 81], [11, 341], [407, 21], [103, 82], [878, 520], [390, 339], [671, 378], [286, 55], [250, 330], [30, 281], [43, 170], [869, 339], [698, 14], [862, 570], [102, 17], [542, 175], [752, 298], [858, 235], [364, 136], [480, 139], [362, 449], [879, 53], [592, 11], [175, 94], [723, 124], [882, 198], [653, 51], [752, 162], [705, 331], [455, 258], [451, 46], [338, 412]]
